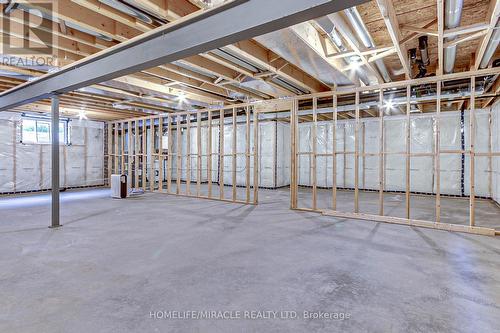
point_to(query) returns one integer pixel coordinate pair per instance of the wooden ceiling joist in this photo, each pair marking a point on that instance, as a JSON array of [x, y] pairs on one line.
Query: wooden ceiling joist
[[170, 10], [114, 14], [357, 48], [322, 47], [493, 16], [213, 78], [94, 15], [386, 8], [418, 30]]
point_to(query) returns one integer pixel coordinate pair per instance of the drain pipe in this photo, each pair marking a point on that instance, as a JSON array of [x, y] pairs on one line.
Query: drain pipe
[[366, 39], [492, 46], [452, 16]]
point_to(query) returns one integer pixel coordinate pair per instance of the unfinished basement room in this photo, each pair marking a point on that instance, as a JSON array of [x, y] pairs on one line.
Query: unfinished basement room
[[249, 166]]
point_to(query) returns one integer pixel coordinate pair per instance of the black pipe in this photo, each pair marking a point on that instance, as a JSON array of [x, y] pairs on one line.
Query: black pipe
[[423, 47]]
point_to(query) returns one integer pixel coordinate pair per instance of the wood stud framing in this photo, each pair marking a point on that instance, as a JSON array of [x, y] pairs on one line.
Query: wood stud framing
[[356, 156], [407, 164], [314, 156], [188, 155], [234, 157], [122, 148], [110, 152], [143, 154], [151, 155], [129, 153], [198, 155], [335, 210], [293, 161], [472, 134], [255, 158], [115, 144], [133, 150], [437, 153], [209, 154], [161, 157], [181, 120], [137, 145], [381, 156], [334, 152], [490, 151], [147, 152], [247, 154], [221, 154], [178, 153]]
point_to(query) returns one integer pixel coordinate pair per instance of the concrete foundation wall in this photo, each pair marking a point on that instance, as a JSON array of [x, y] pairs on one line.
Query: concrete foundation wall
[[27, 167]]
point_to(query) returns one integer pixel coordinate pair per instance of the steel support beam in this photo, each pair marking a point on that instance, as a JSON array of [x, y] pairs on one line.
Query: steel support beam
[[54, 133], [198, 33]]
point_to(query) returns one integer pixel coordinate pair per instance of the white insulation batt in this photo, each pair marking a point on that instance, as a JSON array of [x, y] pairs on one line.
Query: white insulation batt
[[27, 167], [422, 175], [274, 153], [495, 126]]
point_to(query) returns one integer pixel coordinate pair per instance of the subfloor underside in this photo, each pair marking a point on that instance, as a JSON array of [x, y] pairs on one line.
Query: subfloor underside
[[116, 261]]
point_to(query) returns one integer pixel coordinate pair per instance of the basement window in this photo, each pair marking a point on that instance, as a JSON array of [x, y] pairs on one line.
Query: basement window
[[38, 130]]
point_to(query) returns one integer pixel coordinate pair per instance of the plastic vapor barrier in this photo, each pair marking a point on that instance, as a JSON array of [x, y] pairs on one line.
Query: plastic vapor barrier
[[421, 141], [282, 154], [26, 166], [274, 153], [495, 129]]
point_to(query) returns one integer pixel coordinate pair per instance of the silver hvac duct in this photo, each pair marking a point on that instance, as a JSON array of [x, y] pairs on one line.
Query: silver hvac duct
[[139, 5], [329, 29], [124, 8], [452, 16], [328, 24], [365, 38], [492, 46]]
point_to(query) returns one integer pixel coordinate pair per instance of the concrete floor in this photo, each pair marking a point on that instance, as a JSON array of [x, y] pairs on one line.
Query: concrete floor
[[422, 207], [114, 261]]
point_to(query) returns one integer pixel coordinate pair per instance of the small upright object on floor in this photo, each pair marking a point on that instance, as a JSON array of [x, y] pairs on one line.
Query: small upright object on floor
[[119, 186], [135, 191]]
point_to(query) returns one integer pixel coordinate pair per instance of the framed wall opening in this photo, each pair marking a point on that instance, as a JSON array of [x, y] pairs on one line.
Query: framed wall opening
[[400, 153], [209, 154], [406, 153]]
